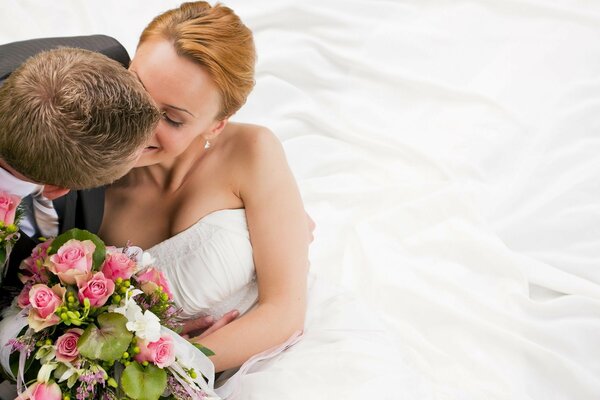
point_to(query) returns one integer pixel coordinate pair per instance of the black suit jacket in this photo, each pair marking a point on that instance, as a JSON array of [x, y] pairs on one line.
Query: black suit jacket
[[78, 209]]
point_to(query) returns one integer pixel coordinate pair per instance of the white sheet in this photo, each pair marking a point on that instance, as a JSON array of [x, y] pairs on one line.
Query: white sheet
[[448, 151]]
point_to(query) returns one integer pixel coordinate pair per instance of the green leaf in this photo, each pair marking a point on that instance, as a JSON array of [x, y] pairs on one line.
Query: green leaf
[[143, 383], [207, 352], [107, 342], [79, 234]]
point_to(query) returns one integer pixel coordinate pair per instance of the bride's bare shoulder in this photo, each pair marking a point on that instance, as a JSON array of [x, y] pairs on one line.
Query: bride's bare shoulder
[[242, 131], [249, 141]]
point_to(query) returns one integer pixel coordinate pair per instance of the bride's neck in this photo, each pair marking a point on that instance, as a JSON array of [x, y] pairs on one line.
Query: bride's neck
[[171, 176]]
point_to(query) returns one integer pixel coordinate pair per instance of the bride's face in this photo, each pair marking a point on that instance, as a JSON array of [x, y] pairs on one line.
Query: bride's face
[[185, 94]]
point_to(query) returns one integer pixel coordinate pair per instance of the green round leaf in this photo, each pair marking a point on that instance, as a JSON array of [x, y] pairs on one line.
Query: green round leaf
[[107, 341], [143, 383], [79, 234]]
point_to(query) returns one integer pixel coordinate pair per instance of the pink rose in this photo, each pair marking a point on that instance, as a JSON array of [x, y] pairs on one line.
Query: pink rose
[[23, 298], [161, 353], [44, 302], [73, 259], [66, 345], [118, 265], [97, 289], [41, 391], [8, 207], [151, 279]]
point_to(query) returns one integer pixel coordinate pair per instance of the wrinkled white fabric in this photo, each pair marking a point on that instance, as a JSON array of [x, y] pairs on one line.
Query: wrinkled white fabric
[[210, 263], [448, 152]]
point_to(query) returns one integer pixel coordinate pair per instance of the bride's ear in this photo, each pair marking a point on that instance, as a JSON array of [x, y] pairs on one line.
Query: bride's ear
[[217, 128]]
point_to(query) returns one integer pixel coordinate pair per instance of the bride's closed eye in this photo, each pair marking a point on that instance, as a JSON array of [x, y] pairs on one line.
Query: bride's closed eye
[[170, 121]]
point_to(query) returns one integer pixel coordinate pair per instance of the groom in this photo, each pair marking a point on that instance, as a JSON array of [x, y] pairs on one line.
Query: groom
[[69, 119]]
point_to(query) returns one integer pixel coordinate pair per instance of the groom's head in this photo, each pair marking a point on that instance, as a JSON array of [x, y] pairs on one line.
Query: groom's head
[[73, 118]]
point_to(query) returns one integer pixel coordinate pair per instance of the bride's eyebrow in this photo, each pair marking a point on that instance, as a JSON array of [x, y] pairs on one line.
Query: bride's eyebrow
[[166, 105], [180, 109]]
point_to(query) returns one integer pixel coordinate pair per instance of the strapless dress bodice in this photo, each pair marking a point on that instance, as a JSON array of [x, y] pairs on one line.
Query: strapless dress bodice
[[209, 266]]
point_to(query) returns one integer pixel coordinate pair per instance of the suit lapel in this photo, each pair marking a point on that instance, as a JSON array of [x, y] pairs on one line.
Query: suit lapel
[[91, 203], [66, 208], [82, 209]]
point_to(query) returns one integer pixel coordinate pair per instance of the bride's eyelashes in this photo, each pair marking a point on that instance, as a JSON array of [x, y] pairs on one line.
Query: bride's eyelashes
[[171, 122]]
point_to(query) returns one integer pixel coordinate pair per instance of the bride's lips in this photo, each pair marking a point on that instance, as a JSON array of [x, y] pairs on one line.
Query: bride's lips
[[149, 149]]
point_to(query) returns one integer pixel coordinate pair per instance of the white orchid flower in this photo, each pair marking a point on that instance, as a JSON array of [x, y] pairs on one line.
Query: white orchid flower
[[146, 326]]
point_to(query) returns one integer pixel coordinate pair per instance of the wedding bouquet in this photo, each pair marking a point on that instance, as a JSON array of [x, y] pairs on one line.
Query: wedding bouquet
[[95, 322]]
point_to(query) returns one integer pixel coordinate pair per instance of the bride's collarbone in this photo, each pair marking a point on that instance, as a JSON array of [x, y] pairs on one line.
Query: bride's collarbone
[[147, 220]]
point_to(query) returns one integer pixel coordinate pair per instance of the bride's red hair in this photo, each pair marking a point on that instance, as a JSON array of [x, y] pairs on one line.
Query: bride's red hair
[[215, 38]]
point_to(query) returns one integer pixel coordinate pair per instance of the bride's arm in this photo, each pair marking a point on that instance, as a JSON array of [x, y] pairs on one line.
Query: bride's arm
[[277, 224]]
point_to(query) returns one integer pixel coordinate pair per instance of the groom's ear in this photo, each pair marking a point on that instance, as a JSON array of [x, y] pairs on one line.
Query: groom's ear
[[52, 192]]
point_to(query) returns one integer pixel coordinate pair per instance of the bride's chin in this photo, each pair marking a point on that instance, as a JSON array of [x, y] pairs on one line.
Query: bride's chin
[[145, 161]]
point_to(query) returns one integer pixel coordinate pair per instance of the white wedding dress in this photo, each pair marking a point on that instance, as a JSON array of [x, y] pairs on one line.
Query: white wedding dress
[[343, 352]]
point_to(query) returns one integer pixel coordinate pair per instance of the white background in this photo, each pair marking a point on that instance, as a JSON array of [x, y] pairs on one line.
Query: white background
[[449, 152]]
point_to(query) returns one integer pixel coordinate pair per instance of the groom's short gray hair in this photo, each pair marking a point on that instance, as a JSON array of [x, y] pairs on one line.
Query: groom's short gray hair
[[73, 118]]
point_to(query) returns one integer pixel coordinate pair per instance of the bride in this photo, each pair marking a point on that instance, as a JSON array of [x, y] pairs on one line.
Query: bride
[[216, 204]]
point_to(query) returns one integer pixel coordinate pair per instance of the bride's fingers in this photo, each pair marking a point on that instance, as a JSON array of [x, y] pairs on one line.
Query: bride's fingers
[[225, 319], [198, 324]]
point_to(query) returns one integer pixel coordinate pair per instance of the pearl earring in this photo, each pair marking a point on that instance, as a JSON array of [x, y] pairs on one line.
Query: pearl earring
[[207, 145]]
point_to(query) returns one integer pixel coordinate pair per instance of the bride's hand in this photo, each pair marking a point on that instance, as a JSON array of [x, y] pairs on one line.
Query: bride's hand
[[203, 326]]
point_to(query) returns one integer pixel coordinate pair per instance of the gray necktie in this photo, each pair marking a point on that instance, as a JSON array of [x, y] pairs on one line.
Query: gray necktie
[[45, 215]]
